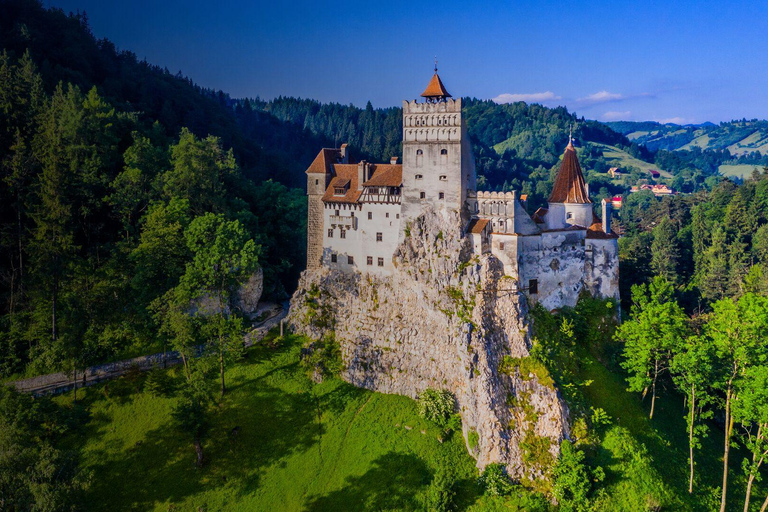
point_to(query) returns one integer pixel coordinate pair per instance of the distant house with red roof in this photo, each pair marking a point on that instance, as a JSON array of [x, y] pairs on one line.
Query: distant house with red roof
[[654, 174]]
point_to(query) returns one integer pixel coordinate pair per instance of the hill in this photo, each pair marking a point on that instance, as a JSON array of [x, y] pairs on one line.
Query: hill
[[739, 138]]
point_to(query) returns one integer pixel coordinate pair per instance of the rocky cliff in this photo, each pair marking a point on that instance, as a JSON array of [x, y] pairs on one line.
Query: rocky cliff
[[445, 319]]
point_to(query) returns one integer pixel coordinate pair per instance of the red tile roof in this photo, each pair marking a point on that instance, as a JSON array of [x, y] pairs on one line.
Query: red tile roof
[[569, 184], [477, 225], [324, 160], [346, 174], [435, 89], [595, 231], [386, 175]]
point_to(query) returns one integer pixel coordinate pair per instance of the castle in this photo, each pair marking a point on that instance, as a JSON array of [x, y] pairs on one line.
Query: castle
[[360, 212]]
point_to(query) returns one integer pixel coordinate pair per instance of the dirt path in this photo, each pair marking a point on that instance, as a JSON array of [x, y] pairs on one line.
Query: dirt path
[[61, 382]]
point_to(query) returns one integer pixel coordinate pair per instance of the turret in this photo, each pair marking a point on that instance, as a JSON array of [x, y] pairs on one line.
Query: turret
[[569, 203]]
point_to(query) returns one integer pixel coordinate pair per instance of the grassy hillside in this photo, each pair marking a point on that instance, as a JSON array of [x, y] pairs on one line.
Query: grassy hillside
[[298, 446], [617, 157], [740, 138]]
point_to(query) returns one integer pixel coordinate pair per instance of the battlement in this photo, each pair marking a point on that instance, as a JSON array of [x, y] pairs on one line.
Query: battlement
[[447, 105]]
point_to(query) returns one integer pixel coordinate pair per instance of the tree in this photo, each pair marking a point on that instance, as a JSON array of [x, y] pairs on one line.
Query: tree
[[751, 410], [737, 331], [665, 252], [223, 257], [692, 369], [191, 411], [656, 325]]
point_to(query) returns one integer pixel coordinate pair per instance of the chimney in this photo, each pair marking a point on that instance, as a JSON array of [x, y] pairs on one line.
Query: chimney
[[344, 154], [607, 208], [393, 160], [361, 171]]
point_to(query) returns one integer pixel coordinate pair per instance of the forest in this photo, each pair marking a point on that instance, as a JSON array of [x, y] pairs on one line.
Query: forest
[[129, 191]]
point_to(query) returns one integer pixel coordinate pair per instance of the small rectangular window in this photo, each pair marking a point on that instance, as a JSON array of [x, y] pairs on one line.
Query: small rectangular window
[[533, 286], [336, 213], [441, 195], [501, 246], [422, 195], [370, 260], [343, 233], [370, 215], [350, 260], [333, 258], [443, 178], [330, 233], [381, 262], [397, 216], [317, 182], [387, 215], [379, 237], [569, 215]]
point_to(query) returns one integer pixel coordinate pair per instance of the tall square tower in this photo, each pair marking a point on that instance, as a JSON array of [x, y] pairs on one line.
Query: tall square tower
[[438, 165]]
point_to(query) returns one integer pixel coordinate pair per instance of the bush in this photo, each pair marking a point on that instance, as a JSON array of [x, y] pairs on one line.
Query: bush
[[441, 492], [159, 383], [494, 480], [571, 479], [437, 406], [323, 356]]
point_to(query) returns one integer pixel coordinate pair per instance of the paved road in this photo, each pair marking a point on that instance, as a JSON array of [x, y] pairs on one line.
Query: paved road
[[62, 382]]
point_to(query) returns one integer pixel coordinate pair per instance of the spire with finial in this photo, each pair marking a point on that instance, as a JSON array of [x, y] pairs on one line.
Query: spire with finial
[[435, 91], [569, 186]]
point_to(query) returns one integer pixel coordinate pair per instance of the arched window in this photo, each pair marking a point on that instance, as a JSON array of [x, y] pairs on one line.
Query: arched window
[[443, 151], [419, 152]]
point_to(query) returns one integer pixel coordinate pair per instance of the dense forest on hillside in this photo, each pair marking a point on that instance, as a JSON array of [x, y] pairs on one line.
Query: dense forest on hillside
[[129, 193]]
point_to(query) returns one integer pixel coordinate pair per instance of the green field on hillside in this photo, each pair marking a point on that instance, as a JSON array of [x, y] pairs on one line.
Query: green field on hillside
[[740, 170], [620, 158], [298, 446]]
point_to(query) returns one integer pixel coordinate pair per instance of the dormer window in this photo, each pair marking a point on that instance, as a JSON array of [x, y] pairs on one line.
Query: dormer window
[[339, 191]]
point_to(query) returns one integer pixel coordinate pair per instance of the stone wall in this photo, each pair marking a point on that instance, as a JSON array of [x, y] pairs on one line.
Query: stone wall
[[444, 319]]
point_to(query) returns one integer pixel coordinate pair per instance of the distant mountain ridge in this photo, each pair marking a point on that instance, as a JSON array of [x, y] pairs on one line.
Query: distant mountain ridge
[[740, 138]]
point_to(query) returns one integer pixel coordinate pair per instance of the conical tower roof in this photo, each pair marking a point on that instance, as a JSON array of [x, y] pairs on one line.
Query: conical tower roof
[[569, 184], [435, 89]]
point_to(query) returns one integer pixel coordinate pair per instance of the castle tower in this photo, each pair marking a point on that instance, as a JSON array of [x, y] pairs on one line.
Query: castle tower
[[569, 203], [438, 165], [319, 175]]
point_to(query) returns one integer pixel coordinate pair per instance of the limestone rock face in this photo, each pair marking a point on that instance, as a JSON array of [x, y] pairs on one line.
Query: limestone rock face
[[444, 319], [245, 299]]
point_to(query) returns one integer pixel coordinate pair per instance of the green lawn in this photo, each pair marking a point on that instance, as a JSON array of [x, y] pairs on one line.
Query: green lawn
[[666, 439], [620, 158], [358, 456], [740, 170]]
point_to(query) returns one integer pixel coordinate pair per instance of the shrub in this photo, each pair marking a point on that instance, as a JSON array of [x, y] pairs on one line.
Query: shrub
[[473, 439], [437, 406], [494, 480], [323, 356], [159, 383], [571, 480], [441, 492]]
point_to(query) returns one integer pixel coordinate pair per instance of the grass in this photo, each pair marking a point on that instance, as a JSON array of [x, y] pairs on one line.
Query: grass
[[616, 157], [666, 439], [740, 170], [268, 449]]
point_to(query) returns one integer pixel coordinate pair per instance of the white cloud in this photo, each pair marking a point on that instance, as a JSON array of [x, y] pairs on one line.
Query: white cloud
[[616, 116], [675, 120], [601, 97], [536, 97]]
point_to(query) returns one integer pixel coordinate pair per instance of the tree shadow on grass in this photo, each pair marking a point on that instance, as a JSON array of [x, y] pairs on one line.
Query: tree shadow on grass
[[392, 483], [268, 424]]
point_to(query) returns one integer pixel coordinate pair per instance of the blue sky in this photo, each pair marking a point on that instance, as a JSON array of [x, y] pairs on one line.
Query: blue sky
[[683, 61]]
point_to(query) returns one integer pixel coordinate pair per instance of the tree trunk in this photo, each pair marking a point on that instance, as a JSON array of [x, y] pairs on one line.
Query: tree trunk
[[199, 451], [53, 312], [221, 368], [692, 406], [653, 387], [765, 504], [749, 492], [728, 429]]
